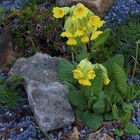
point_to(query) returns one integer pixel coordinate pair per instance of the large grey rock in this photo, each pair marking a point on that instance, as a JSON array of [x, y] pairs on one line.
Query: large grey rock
[[49, 104], [46, 95]]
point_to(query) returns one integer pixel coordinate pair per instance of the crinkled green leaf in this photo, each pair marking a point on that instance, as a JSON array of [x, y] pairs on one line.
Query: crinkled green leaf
[[115, 112], [77, 99], [132, 129], [92, 120], [65, 69], [119, 132]]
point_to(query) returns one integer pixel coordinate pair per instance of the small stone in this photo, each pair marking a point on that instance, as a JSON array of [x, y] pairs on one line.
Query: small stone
[[83, 131], [21, 129]]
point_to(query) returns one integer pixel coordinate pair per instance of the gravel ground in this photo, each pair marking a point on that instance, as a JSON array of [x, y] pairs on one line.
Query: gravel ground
[[10, 4], [120, 11]]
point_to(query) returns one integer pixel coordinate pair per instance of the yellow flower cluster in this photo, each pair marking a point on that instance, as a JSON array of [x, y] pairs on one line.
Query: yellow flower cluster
[[84, 72], [81, 24]]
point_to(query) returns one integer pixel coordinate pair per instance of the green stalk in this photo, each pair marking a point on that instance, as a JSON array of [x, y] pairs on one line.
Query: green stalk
[[136, 59], [84, 49], [72, 54]]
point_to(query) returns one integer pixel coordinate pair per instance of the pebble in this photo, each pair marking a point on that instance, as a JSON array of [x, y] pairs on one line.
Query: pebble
[[3, 74]]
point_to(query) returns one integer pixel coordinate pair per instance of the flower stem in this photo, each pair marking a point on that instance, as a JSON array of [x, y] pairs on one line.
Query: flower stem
[[72, 54], [136, 59], [85, 49]]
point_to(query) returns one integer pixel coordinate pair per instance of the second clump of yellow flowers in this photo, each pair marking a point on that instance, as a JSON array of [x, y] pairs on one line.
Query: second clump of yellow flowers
[[84, 72]]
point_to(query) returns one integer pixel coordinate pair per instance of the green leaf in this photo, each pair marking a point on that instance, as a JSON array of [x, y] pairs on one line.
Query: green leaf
[[2, 80], [8, 96], [92, 120], [115, 112], [14, 81], [1, 10], [121, 80], [82, 55], [134, 91], [118, 59], [126, 118], [101, 40], [119, 132], [78, 114], [77, 99], [108, 117], [131, 129], [108, 102], [65, 69], [99, 106], [127, 107], [71, 86], [91, 101], [97, 82], [112, 93]]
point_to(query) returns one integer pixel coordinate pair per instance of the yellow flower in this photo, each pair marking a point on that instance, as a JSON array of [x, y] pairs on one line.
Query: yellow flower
[[78, 33], [95, 35], [106, 82], [95, 21], [85, 39], [80, 11], [91, 74], [85, 82], [66, 34], [90, 21], [58, 12], [77, 74], [71, 41], [105, 75]]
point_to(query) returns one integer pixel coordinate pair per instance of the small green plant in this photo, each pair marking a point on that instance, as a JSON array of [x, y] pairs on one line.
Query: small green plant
[[8, 94]]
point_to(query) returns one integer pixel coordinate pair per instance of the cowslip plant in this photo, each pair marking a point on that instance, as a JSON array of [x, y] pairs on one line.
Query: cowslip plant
[[100, 92], [81, 27], [97, 92]]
